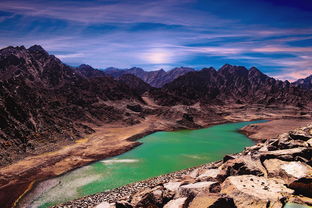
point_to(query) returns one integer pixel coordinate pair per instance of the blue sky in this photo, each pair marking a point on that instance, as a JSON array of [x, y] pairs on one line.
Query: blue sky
[[273, 35]]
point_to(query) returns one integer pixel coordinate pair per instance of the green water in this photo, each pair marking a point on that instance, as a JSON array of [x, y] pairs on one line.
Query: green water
[[293, 205], [161, 153]]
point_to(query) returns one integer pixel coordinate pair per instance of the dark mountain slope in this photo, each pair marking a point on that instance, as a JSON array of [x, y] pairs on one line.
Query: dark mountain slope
[[134, 83], [305, 83], [44, 101], [230, 84]]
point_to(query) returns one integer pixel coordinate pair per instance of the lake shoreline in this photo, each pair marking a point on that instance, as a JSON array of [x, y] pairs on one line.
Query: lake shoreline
[[122, 194], [71, 164]]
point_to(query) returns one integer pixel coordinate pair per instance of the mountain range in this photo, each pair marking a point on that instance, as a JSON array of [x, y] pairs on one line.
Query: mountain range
[[46, 103], [154, 78]]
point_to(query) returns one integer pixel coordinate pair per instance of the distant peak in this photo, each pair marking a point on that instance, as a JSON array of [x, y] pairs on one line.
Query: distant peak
[[85, 66], [182, 68], [226, 66], [37, 49], [254, 69], [231, 68], [136, 69], [10, 49], [209, 69]]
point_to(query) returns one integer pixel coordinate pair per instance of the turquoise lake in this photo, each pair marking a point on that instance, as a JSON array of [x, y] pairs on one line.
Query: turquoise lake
[[160, 153]]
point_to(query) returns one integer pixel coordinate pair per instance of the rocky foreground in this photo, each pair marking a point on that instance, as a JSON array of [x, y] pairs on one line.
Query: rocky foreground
[[268, 174]]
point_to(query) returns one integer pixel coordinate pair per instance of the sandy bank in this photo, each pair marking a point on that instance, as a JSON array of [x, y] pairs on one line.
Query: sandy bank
[[270, 129]]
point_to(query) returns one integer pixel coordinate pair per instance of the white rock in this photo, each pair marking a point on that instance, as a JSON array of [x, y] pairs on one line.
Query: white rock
[[210, 173], [253, 191], [172, 186], [104, 205], [176, 203], [295, 169], [194, 173], [195, 188]]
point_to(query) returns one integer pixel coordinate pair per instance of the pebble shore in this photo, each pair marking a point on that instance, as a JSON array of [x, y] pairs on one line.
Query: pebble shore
[[123, 192]]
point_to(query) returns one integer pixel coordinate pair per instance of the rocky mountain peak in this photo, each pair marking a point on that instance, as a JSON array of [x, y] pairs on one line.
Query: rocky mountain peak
[[181, 69], [11, 50], [85, 66], [230, 69], [210, 69], [37, 49], [89, 71], [254, 72], [305, 83], [136, 69]]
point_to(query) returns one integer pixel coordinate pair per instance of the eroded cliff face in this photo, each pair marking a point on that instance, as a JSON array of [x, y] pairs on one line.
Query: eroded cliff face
[[268, 174], [46, 104]]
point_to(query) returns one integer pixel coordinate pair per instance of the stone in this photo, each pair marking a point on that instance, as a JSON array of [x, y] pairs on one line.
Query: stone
[[154, 197], [300, 134], [195, 188], [288, 171], [176, 203], [103, 205], [254, 191], [194, 173], [302, 186], [123, 204], [187, 180], [243, 165], [212, 200], [172, 186], [286, 154], [209, 175]]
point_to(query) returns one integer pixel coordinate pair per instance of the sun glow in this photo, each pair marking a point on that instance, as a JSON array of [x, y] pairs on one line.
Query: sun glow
[[157, 56]]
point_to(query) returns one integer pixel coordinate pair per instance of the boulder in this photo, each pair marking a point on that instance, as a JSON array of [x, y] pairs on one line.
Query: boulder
[[284, 141], [254, 191], [156, 197], [172, 186], [286, 154], [104, 205], [243, 165], [194, 173], [212, 200], [195, 188], [209, 175], [123, 204], [301, 134], [302, 186], [288, 171], [187, 179], [176, 203]]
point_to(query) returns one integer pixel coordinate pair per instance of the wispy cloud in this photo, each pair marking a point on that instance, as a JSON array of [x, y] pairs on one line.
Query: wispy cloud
[[160, 34], [88, 12]]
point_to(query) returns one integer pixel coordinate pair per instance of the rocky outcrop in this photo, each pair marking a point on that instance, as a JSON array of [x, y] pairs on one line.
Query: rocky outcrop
[[268, 174]]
